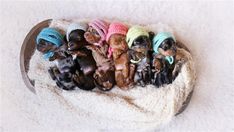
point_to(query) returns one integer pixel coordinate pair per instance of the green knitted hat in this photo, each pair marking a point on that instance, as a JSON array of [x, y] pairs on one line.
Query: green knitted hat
[[133, 33]]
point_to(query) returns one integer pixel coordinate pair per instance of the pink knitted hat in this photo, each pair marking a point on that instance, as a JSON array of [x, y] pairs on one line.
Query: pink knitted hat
[[101, 27], [116, 28]]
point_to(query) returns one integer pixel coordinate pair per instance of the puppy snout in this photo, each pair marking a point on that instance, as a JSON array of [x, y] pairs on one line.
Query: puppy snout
[[41, 48], [70, 45]]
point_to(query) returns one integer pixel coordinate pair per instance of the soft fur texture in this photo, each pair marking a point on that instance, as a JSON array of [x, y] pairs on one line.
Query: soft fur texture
[[205, 27], [140, 108]]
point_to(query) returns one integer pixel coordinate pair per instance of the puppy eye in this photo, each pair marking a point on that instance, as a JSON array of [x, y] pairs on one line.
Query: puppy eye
[[135, 43], [165, 47], [94, 32]]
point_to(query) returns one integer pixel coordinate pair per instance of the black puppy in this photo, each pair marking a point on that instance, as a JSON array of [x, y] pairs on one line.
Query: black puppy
[[139, 42], [82, 56], [164, 47], [162, 76]]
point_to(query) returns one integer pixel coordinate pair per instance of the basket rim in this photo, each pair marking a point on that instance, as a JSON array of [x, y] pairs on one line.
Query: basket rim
[[24, 59]]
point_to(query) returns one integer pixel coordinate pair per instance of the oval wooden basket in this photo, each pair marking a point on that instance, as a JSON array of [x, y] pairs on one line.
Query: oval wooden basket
[[28, 48]]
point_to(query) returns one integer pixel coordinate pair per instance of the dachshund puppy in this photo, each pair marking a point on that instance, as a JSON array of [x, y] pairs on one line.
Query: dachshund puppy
[[139, 48], [161, 72], [164, 47], [95, 35], [68, 75], [124, 71], [81, 55], [51, 44], [62, 73]]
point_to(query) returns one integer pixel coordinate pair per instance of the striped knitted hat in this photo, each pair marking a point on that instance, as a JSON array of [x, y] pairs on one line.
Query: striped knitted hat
[[116, 28], [51, 35], [135, 32], [157, 41], [75, 26], [101, 27]]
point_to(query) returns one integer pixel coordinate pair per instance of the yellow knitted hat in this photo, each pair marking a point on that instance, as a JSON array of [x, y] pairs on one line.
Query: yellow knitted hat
[[133, 33]]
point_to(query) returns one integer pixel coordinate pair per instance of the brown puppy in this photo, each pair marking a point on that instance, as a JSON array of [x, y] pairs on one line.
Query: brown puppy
[[95, 35], [124, 72]]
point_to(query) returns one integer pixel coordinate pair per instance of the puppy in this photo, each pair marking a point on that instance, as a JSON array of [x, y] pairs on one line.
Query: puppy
[[140, 45], [68, 75], [82, 56], [62, 73], [95, 36], [164, 47], [161, 72], [124, 72], [51, 44]]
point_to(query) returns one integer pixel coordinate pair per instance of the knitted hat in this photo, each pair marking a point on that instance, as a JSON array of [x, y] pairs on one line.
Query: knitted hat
[[157, 41], [101, 27], [159, 38], [47, 55], [75, 26], [51, 35], [116, 28], [135, 32]]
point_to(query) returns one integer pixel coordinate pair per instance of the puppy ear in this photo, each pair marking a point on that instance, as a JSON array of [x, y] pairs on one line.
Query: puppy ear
[[151, 35]]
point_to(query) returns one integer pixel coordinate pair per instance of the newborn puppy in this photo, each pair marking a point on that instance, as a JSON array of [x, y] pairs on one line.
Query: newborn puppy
[[95, 35], [50, 43], [68, 75], [62, 73], [81, 55], [124, 72], [140, 46], [164, 53], [161, 72]]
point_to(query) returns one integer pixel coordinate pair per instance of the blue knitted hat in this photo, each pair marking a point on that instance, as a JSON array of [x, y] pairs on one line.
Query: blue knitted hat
[[51, 35], [157, 41]]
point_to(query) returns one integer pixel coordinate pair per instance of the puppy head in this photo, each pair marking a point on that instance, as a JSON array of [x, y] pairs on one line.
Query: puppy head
[[92, 36], [44, 46], [167, 47], [76, 40], [49, 39], [118, 41], [158, 65], [141, 44]]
